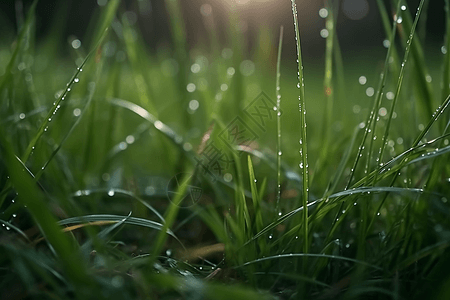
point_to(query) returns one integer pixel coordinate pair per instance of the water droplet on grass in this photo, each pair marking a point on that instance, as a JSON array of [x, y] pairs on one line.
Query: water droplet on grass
[[324, 33], [323, 13], [370, 91], [129, 139], [111, 193], [193, 105], [362, 80]]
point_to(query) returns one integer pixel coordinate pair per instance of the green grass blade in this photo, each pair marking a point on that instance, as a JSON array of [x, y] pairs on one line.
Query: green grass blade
[[278, 93], [115, 218], [43, 127], [446, 63], [291, 255], [115, 192], [255, 196], [20, 40], [303, 142], [400, 81], [30, 195], [170, 215]]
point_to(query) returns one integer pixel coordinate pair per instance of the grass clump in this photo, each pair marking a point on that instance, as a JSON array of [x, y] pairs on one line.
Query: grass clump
[[173, 174]]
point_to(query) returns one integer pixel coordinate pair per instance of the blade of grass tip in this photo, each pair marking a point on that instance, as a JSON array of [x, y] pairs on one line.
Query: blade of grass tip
[[278, 93], [33, 198], [303, 143], [20, 40]]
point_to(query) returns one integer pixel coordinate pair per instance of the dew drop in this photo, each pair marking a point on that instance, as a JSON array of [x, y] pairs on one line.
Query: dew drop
[[129, 139], [110, 193], [323, 13]]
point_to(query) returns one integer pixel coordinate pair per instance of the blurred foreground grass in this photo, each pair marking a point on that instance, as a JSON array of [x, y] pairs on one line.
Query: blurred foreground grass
[[183, 173]]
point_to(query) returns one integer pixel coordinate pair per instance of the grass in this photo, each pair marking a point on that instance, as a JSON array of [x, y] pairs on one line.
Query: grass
[[127, 173]]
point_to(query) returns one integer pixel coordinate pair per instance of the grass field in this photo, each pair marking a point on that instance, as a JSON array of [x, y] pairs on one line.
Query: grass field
[[198, 172]]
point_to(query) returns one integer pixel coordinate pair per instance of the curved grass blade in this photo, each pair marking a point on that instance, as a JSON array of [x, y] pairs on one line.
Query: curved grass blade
[[295, 277], [309, 255], [115, 191], [115, 218], [360, 190], [431, 154], [102, 234], [16, 229], [145, 114]]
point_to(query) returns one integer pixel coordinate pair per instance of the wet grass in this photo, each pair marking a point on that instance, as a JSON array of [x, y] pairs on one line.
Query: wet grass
[[184, 174]]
